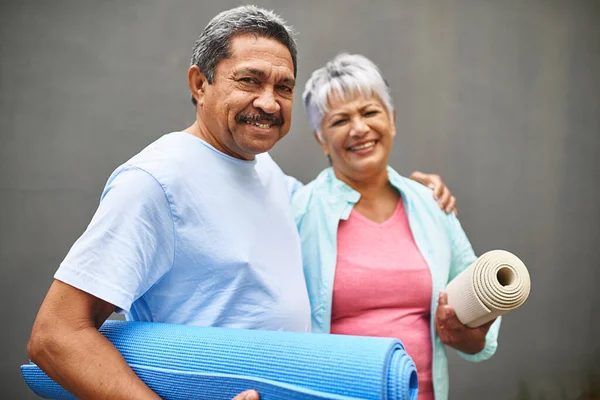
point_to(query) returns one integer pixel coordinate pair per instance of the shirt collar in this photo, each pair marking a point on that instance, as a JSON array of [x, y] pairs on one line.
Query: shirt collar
[[337, 188], [340, 189]]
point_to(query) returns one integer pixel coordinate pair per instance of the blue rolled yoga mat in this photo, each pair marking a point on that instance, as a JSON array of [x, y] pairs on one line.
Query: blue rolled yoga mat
[[189, 362]]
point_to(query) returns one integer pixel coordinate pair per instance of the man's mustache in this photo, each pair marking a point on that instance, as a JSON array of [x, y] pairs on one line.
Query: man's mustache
[[260, 117]]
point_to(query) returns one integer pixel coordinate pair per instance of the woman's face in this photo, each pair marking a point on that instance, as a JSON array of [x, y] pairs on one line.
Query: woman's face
[[357, 134]]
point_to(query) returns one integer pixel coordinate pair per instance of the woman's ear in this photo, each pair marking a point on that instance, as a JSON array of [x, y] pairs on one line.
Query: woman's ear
[[197, 83], [394, 123]]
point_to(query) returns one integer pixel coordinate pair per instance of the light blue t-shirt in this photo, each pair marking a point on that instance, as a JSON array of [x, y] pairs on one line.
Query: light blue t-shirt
[[188, 235]]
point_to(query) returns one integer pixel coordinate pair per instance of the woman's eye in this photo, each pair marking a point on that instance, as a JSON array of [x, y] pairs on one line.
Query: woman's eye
[[338, 122], [371, 113]]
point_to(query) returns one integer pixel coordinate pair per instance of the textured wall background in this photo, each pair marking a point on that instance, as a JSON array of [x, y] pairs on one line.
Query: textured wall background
[[502, 98]]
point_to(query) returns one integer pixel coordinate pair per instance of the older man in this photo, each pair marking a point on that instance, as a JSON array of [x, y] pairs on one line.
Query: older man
[[195, 229]]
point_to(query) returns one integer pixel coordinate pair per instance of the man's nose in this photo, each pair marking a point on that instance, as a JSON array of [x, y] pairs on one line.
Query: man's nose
[[266, 102]]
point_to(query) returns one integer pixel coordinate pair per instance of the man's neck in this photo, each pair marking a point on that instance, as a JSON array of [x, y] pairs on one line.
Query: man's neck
[[200, 130]]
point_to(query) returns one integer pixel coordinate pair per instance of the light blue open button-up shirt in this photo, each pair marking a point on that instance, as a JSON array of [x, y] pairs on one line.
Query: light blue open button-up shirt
[[320, 205]]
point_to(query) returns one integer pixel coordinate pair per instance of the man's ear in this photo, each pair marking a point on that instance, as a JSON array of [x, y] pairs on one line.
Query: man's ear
[[321, 143], [197, 82]]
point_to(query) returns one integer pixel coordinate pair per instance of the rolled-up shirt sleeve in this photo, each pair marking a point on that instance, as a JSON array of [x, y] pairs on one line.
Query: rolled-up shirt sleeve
[[129, 244], [462, 257]]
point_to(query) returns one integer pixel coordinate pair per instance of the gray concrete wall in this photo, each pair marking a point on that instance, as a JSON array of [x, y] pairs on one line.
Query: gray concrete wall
[[502, 98]]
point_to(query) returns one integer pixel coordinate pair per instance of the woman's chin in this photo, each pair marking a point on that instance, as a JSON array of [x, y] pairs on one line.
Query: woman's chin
[[373, 159], [368, 166]]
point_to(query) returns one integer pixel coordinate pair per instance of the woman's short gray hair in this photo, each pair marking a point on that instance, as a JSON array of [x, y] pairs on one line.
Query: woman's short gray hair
[[212, 46], [346, 74]]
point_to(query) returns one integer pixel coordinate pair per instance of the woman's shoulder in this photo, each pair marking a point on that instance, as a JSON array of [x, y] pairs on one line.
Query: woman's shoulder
[[414, 189], [419, 196], [304, 197]]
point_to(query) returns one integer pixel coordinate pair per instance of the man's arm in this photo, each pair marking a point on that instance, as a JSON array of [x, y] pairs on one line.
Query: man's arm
[[441, 192], [66, 344], [127, 247]]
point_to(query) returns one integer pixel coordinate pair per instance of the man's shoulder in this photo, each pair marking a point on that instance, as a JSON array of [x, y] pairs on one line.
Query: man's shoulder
[[159, 160], [165, 148], [272, 173], [172, 156], [266, 164]]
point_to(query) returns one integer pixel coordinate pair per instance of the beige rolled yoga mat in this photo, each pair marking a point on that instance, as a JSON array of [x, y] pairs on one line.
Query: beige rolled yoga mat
[[496, 283]]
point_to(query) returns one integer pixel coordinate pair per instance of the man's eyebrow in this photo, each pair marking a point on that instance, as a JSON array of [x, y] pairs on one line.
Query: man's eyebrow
[[261, 74], [251, 71], [289, 81]]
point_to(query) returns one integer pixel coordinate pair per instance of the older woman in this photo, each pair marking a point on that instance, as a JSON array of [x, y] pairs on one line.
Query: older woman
[[377, 249]]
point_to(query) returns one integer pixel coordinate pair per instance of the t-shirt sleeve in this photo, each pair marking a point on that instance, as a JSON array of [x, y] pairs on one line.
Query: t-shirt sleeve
[[129, 244]]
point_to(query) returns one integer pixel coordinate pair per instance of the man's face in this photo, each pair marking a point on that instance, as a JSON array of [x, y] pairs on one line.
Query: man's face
[[248, 107]]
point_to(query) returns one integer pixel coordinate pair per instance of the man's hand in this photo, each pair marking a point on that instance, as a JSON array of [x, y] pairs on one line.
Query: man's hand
[[454, 334], [247, 395], [441, 193]]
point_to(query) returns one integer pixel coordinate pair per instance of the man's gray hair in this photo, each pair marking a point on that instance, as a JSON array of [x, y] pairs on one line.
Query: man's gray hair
[[213, 44], [347, 75]]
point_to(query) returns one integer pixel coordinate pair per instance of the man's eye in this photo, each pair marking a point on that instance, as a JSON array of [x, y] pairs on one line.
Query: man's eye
[[285, 88], [248, 80]]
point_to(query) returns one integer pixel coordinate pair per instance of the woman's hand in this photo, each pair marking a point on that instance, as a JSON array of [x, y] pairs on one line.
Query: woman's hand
[[441, 193], [454, 334]]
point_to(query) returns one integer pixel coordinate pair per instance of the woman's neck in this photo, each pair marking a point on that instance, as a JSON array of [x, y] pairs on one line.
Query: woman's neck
[[378, 198]]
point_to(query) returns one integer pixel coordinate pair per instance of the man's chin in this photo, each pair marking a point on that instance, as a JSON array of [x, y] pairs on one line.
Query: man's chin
[[258, 145], [249, 150]]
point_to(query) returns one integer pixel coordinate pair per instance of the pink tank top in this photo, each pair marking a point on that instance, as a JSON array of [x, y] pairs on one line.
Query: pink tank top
[[382, 287]]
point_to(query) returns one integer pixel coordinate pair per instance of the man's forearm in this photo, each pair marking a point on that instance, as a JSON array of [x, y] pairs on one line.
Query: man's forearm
[[86, 364]]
